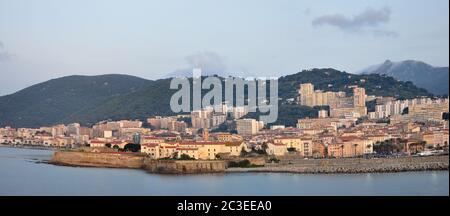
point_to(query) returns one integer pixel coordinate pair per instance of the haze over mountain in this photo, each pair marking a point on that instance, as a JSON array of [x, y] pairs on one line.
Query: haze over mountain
[[90, 99], [434, 79]]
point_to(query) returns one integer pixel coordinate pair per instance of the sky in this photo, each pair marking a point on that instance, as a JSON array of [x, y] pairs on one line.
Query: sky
[[46, 39]]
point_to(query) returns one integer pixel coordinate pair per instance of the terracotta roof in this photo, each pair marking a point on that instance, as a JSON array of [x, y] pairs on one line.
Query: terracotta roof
[[350, 138], [150, 145], [283, 138], [187, 149]]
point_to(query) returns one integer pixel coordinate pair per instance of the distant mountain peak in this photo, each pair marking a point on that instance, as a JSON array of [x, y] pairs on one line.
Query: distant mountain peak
[[387, 61], [434, 79]]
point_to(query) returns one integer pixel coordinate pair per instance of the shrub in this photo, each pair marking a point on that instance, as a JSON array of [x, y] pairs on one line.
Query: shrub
[[186, 157], [132, 147], [274, 160], [292, 149]]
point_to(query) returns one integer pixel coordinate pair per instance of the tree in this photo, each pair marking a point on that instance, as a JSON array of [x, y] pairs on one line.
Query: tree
[[108, 145], [264, 146], [243, 151], [445, 116], [186, 157], [244, 163], [132, 147], [292, 149], [116, 147]]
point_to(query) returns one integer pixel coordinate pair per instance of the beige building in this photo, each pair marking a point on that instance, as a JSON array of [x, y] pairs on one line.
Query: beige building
[[323, 114], [178, 126], [59, 130], [350, 147], [318, 123], [427, 112], [310, 97], [359, 97], [198, 150], [276, 149], [160, 150], [436, 138], [353, 112], [303, 145]]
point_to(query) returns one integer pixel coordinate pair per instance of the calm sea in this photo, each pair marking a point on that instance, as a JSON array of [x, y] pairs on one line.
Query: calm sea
[[21, 173]]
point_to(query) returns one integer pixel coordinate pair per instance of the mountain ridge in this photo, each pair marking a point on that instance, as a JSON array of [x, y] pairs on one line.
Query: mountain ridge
[[89, 99]]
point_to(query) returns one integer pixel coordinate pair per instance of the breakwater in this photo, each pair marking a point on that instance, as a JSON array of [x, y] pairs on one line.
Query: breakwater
[[353, 165]]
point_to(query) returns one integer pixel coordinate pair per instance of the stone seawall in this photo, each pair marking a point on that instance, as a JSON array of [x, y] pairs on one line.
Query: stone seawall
[[258, 161], [183, 167], [354, 165], [134, 161], [93, 159]]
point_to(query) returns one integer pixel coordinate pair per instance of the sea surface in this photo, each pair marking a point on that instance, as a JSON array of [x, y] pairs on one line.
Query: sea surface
[[24, 172]]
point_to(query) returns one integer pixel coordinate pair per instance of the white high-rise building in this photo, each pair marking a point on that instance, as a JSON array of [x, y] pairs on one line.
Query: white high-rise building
[[248, 127]]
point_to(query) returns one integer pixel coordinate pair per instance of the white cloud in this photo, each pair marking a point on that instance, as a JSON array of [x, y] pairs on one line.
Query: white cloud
[[211, 63], [370, 18]]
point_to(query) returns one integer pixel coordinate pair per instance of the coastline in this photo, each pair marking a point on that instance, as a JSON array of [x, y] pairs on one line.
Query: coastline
[[312, 166], [294, 170], [30, 147], [355, 165]]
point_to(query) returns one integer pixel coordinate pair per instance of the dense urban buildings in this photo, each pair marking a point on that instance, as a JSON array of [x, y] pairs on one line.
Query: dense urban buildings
[[345, 130], [340, 105], [310, 97]]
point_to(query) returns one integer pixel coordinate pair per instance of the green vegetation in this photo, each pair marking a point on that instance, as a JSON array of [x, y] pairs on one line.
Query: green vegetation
[[90, 99], [175, 157], [242, 164], [65, 100], [333, 80], [186, 157], [292, 150], [273, 160], [131, 147], [389, 146], [445, 116]]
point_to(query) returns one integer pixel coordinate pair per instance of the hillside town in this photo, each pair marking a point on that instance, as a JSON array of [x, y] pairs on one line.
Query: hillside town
[[346, 129]]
